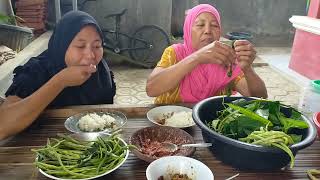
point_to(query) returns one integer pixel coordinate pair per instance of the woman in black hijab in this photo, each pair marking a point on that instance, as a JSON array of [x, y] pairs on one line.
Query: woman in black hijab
[[71, 71]]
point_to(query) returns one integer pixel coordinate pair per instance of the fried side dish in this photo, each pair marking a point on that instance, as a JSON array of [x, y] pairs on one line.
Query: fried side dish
[[176, 176]]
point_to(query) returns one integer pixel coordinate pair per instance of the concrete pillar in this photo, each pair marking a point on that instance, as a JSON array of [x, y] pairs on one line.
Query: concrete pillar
[[179, 8]]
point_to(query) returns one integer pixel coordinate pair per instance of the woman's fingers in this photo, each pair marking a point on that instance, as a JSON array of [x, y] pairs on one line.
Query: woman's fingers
[[77, 75], [92, 68], [217, 53], [226, 51], [221, 58], [86, 71], [245, 58], [241, 43], [245, 51]]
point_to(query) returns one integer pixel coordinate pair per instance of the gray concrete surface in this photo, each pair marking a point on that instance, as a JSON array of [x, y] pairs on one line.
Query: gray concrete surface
[[267, 20], [140, 12], [178, 13], [33, 49], [278, 59]]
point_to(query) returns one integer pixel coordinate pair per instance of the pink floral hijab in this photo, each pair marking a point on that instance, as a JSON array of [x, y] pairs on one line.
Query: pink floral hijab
[[206, 79]]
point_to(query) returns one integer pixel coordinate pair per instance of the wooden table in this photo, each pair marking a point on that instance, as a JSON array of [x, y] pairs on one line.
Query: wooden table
[[16, 158]]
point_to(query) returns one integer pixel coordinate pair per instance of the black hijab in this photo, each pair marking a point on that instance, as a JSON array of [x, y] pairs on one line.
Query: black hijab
[[98, 89]]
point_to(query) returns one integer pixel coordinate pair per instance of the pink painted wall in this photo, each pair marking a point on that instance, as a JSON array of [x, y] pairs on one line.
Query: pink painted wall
[[305, 54], [314, 9]]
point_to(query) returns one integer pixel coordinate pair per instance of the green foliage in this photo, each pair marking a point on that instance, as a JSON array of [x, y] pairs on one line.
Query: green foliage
[[259, 122]]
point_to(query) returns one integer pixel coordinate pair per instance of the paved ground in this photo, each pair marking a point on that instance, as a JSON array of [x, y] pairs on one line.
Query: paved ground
[[131, 81]]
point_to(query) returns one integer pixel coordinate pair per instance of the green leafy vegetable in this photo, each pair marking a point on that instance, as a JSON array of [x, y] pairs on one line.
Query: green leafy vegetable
[[292, 123], [260, 122], [250, 114]]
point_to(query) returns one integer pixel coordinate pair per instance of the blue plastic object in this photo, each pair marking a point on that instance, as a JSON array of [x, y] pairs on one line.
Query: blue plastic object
[[239, 35]]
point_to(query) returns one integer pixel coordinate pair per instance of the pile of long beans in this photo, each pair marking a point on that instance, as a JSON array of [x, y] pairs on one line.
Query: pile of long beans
[[312, 174], [66, 157], [277, 139]]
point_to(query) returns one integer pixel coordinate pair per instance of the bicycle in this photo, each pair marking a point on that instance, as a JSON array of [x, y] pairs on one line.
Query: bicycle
[[145, 46]]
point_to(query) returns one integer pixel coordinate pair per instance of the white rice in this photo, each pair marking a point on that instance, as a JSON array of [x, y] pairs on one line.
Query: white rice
[[93, 122], [180, 119]]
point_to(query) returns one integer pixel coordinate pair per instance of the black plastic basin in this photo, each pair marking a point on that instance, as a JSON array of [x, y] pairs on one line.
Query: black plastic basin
[[243, 155]]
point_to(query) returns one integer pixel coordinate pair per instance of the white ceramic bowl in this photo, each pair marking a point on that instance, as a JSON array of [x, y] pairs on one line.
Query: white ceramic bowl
[[159, 111], [164, 166], [72, 123]]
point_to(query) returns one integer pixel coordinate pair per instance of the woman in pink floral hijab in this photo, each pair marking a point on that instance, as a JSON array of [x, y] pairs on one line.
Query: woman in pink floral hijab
[[198, 68]]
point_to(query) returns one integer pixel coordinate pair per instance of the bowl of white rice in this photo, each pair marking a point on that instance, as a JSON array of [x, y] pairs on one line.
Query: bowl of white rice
[[96, 122], [171, 115]]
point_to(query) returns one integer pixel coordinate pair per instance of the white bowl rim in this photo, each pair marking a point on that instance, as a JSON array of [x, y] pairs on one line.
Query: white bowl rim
[[152, 164], [169, 106]]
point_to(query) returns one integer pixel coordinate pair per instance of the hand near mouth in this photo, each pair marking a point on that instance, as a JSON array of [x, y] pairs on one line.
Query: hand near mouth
[[94, 66], [76, 75]]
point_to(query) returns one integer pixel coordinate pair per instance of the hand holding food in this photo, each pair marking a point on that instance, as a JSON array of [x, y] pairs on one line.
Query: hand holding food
[[245, 53], [76, 75], [216, 53]]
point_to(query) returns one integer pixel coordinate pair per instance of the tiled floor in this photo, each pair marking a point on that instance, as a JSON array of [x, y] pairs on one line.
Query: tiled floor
[[131, 85], [131, 81]]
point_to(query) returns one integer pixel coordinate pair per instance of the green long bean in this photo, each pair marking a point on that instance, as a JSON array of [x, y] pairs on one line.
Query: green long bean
[[277, 139], [312, 174], [65, 157]]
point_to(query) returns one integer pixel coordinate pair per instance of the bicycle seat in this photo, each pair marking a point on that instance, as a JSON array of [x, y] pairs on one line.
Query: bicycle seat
[[117, 14]]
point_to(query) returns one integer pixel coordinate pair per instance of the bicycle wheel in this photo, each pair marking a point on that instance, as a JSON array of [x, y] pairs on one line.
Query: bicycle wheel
[[148, 43]]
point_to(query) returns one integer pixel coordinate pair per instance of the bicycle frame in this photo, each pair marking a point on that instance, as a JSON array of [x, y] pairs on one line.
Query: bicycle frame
[[115, 42], [142, 46]]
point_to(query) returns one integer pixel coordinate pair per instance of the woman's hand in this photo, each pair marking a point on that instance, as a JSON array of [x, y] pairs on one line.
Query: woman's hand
[[216, 53], [76, 75], [245, 54]]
